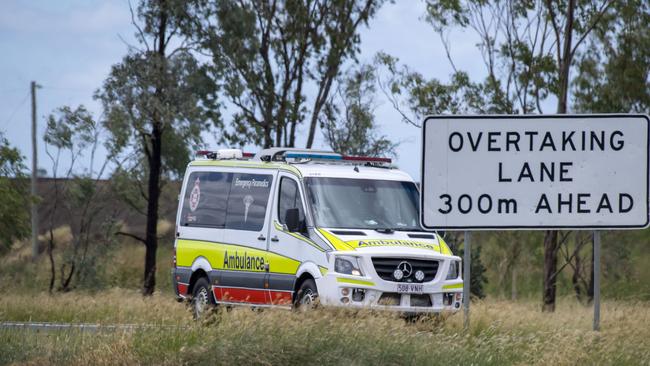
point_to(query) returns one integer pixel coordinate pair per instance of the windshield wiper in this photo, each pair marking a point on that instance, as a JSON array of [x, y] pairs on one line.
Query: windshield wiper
[[390, 230], [384, 230]]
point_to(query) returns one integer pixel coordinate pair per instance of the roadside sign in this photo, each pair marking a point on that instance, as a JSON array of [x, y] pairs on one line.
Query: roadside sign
[[535, 172]]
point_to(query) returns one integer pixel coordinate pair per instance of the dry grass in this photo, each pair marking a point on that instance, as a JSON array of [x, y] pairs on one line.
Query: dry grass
[[500, 333]]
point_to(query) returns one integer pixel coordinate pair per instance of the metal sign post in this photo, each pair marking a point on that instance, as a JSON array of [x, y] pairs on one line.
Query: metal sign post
[[467, 264], [596, 236]]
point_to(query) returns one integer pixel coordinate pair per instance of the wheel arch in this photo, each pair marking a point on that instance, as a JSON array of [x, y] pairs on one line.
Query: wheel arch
[[307, 270], [200, 268]]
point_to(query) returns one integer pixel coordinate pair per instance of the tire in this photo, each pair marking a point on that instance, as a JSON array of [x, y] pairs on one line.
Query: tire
[[202, 298], [307, 296]]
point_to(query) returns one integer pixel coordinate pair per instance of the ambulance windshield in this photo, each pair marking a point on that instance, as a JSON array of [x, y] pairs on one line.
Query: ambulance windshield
[[363, 203]]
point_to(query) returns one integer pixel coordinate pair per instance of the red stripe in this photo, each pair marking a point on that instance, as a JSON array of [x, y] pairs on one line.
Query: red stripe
[[243, 295], [182, 289], [280, 297]]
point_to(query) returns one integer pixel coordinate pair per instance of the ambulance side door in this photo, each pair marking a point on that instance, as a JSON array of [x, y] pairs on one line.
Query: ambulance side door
[[245, 262], [288, 249]]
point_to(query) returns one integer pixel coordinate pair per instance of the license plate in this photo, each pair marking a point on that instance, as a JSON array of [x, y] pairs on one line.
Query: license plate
[[409, 288]]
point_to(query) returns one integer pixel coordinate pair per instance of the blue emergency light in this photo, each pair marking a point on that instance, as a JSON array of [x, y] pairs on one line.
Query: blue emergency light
[[313, 156]]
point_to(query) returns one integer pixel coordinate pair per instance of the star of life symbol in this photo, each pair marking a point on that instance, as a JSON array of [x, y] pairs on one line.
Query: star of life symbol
[[248, 201], [195, 195]]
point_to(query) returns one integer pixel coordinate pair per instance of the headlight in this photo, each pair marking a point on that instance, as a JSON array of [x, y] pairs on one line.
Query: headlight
[[453, 270], [347, 265]]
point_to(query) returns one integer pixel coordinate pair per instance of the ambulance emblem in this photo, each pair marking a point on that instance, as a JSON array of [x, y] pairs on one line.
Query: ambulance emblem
[[195, 195]]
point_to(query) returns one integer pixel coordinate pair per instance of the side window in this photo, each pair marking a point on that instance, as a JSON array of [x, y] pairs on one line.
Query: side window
[[205, 199], [289, 198], [249, 195]]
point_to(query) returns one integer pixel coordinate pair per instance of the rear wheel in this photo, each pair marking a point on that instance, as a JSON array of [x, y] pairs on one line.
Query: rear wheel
[[307, 296], [202, 298]]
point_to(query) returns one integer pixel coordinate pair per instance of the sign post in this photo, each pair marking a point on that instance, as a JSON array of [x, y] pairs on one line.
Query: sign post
[[536, 172], [467, 264], [596, 325]]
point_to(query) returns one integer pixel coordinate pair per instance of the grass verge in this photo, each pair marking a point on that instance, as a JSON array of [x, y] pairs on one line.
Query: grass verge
[[500, 333]]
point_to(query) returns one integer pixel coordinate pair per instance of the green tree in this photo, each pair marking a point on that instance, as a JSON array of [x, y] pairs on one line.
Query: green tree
[[613, 76], [614, 72], [348, 121], [79, 195], [14, 196], [158, 101], [271, 54], [528, 49]]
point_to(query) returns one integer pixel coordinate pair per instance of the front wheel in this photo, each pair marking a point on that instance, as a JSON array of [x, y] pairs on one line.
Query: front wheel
[[307, 296], [202, 298]]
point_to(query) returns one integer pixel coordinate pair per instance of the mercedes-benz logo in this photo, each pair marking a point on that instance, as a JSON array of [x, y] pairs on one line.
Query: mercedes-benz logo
[[406, 268]]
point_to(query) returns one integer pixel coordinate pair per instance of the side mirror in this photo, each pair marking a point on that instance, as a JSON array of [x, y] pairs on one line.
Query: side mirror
[[292, 219]]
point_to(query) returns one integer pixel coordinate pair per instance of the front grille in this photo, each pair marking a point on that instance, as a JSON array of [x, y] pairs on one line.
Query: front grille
[[386, 266]]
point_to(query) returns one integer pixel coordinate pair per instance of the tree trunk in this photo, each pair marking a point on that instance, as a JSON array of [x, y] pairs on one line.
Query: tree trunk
[[550, 269], [318, 105], [50, 249], [575, 279], [155, 163], [151, 238], [551, 245], [268, 140], [590, 286]]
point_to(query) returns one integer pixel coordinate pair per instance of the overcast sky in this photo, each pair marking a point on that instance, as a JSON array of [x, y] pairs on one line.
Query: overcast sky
[[68, 47]]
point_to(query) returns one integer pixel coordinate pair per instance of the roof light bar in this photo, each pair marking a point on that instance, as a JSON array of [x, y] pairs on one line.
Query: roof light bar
[[369, 159], [224, 154], [313, 156], [337, 157]]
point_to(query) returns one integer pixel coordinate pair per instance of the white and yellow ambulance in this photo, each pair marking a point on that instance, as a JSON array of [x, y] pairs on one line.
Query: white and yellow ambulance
[[288, 226]]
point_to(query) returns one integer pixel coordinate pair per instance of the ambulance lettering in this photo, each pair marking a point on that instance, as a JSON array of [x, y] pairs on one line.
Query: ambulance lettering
[[243, 262], [396, 242]]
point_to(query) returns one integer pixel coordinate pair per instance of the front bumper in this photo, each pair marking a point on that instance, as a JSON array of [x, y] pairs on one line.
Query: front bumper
[[181, 282], [373, 292]]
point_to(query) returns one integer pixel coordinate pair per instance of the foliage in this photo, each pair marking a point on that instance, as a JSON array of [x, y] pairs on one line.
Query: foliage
[[158, 102], [79, 196], [513, 260], [184, 110], [614, 72], [14, 196], [528, 49], [348, 120], [270, 54]]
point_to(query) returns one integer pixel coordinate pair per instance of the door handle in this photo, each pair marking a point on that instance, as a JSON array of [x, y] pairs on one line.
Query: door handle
[[261, 237], [275, 238]]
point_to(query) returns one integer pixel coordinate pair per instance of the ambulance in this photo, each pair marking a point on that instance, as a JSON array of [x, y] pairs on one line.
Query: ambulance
[[294, 227]]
